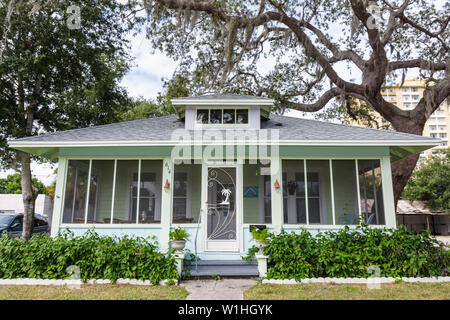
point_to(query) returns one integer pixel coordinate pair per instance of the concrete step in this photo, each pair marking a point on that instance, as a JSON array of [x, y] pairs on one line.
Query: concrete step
[[225, 263], [223, 268]]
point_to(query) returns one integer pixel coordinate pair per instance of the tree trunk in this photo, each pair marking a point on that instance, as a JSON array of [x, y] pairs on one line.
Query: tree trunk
[[402, 169], [401, 172], [29, 194]]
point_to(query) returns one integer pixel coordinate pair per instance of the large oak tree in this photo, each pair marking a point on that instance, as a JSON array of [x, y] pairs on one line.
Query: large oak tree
[[221, 45]]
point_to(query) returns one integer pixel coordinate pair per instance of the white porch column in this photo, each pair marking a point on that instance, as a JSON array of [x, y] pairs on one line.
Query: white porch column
[[58, 201], [388, 193], [166, 203], [277, 193]]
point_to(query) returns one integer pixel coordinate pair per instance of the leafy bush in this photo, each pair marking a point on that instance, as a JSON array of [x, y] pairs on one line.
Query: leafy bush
[[179, 234], [97, 257], [349, 253], [261, 235], [430, 182]]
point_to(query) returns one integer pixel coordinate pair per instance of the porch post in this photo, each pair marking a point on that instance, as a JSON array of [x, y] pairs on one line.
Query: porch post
[[277, 193], [388, 192], [166, 203], [59, 196]]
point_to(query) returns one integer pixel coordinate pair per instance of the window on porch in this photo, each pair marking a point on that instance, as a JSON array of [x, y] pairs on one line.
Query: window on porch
[[186, 193], [257, 202], [326, 192], [371, 191], [306, 202], [116, 191]]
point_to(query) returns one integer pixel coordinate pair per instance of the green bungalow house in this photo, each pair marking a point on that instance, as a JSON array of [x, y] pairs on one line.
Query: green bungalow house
[[220, 165]]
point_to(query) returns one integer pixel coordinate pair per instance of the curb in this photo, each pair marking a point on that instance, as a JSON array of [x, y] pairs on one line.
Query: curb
[[355, 280], [62, 282]]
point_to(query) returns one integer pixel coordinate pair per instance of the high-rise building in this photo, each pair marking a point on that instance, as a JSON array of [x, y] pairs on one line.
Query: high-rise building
[[406, 97]]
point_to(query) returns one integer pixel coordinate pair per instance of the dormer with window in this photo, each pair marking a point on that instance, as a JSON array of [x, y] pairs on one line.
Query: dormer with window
[[229, 111]]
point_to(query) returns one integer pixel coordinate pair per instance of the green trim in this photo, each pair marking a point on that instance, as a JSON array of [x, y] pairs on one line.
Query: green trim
[[395, 152], [166, 203], [154, 151], [331, 151], [59, 196], [248, 151]]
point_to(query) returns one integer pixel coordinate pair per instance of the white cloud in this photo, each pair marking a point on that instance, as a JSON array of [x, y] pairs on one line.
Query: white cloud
[[144, 79]]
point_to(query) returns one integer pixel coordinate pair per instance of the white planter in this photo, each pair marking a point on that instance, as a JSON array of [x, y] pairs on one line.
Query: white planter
[[261, 245], [178, 245]]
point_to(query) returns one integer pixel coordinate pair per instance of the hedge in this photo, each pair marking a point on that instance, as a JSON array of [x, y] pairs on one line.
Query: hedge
[[350, 253], [95, 256]]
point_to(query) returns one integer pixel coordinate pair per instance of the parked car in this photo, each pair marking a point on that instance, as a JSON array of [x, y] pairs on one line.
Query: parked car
[[12, 223]]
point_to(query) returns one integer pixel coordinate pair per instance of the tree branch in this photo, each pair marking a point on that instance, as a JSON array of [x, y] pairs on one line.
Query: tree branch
[[392, 25], [319, 104], [417, 63]]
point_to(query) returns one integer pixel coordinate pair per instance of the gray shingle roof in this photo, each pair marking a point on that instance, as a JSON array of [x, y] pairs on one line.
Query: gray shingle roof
[[161, 129]]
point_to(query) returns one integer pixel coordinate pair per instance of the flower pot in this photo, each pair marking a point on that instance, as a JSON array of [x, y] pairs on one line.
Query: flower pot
[[178, 245]]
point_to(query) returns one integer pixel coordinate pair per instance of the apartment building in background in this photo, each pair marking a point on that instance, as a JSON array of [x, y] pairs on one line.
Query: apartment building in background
[[406, 97]]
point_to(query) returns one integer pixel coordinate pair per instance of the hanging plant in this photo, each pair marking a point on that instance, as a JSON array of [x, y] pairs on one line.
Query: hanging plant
[[292, 186]]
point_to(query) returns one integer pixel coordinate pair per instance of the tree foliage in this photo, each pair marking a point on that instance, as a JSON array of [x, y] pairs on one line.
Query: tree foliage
[[53, 77], [11, 184], [56, 73], [291, 51], [430, 182]]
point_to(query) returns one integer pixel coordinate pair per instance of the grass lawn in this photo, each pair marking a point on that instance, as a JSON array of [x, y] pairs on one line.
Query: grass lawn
[[93, 292], [402, 291]]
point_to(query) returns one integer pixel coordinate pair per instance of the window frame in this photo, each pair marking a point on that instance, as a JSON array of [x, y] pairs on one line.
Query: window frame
[[209, 124], [188, 197], [158, 195], [291, 171]]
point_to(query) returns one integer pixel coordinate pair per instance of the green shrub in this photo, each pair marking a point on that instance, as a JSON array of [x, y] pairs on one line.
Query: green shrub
[[348, 253], [97, 257], [260, 235], [179, 234]]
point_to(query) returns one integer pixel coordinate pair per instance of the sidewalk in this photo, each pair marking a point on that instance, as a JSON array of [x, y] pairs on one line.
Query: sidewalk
[[225, 289]]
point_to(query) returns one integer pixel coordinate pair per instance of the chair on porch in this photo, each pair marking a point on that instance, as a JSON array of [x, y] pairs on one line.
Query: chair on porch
[[347, 218], [371, 216]]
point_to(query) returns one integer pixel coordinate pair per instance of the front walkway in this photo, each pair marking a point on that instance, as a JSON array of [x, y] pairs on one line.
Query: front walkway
[[225, 289]]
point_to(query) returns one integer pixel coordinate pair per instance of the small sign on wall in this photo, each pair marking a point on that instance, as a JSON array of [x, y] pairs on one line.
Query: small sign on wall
[[250, 192]]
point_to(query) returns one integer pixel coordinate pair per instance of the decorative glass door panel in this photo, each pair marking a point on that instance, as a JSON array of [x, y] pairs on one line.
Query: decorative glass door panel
[[221, 209]]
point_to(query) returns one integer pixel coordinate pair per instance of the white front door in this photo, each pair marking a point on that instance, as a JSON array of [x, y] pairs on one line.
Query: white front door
[[222, 208]]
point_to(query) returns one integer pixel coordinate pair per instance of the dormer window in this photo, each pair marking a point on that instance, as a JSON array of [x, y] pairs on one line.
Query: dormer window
[[222, 116], [222, 111]]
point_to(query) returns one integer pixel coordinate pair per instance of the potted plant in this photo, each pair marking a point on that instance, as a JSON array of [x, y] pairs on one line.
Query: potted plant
[[261, 238], [179, 237]]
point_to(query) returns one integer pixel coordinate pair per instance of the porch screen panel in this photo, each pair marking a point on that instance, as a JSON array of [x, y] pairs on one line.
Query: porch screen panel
[[319, 192], [100, 192], [186, 193], [294, 203], [256, 193], [75, 193], [345, 192], [371, 192], [125, 191], [150, 192]]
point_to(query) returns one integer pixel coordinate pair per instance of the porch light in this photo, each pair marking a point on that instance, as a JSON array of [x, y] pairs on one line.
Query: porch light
[[167, 184], [276, 184]]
